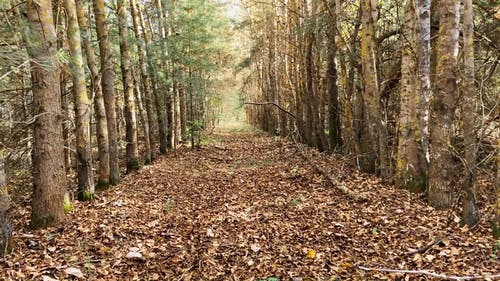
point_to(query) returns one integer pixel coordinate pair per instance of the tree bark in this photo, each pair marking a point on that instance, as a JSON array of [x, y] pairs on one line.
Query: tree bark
[[99, 107], [82, 107], [145, 81], [376, 125], [49, 178], [470, 213], [409, 170], [132, 152], [334, 127], [442, 167], [107, 84], [158, 103]]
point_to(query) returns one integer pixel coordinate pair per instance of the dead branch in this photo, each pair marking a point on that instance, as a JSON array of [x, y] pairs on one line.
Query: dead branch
[[333, 181], [424, 249], [430, 273], [272, 103]]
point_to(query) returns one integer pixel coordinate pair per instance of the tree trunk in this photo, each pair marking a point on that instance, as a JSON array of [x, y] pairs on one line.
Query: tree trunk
[[376, 125], [496, 222], [108, 90], [151, 118], [470, 213], [183, 113], [132, 152], [442, 168], [423, 45], [331, 85], [82, 107], [409, 170], [49, 178], [158, 103], [99, 108], [144, 120], [5, 226]]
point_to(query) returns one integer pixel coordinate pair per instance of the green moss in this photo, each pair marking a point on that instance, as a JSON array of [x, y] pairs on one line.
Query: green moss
[[41, 221], [114, 181], [417, 185], [495, 230], [68, 206], [147, 162], [102, 185], [85, 196], [437, 105], [133, 165]]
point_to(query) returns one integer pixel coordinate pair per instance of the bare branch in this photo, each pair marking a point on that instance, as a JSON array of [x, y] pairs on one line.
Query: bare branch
[[272, 103], [432, 274]]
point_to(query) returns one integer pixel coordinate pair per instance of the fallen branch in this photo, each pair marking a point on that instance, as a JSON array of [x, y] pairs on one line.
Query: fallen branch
[[333, 181], [424, 249], [272, 103], [432, 274]]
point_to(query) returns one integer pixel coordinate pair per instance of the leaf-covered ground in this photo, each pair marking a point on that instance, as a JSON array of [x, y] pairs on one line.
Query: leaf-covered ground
[[248, 207]]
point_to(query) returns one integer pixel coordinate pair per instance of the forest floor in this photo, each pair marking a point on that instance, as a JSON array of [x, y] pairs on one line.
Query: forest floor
[[247, 206]]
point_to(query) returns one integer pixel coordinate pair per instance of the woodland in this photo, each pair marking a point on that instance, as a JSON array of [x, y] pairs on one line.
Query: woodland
[[249, 140]]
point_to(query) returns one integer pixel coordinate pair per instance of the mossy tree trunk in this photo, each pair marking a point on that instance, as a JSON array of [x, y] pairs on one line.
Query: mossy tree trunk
[[377, 133], [334, 127], [158, 102], [470, 212], [132, 153], [108, 89], [82, 107], [5, 226], [49, 178], [99, 107], [145, 79], [410, 172], [442, 169]]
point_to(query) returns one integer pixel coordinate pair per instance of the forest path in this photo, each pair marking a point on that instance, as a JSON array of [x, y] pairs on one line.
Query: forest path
[[247, 206]]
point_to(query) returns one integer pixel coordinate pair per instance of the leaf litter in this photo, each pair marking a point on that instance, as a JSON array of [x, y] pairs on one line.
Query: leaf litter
[[249, 208]]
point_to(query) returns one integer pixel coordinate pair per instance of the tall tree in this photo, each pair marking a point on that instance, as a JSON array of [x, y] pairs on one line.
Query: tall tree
[[145, 79], [108, 89], [410, 171], [158, 102], [99, 107], [442, 166], [132, 153], [470, 212], [331, 82], [5, 227], [82, 107], [371, 95], [49, 178]]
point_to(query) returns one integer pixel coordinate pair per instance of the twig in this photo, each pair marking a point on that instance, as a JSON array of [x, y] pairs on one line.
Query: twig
[[272, 103], [334, 182], [424, 249], [430, 273]]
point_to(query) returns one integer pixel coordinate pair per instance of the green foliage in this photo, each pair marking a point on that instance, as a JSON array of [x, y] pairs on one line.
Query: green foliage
[[270, 279], [68, 206], [169, 205], [296, 201]]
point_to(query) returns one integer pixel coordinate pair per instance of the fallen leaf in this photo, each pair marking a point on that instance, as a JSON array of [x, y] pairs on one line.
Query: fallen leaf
[[48, 278], [134, 255], [255, 247], [430, 258], [311, 254], [73, 271]]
